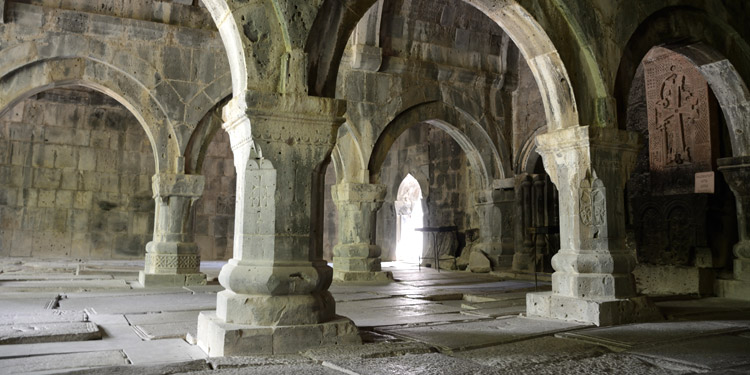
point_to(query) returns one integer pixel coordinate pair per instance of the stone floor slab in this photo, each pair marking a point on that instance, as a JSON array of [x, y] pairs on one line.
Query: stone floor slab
[[48, 332], [643, 334], [413, 364], [61, 285], [387, 320], [461, 336], [377, 350], [495, 312], [162, 369], [51, 276], [142, 303], [167, 330], [519, 355], [44, 316], [163, 317], [709, 353], [68, 361]]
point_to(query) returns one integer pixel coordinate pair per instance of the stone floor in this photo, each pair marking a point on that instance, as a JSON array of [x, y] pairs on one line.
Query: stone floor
[[94, 318]]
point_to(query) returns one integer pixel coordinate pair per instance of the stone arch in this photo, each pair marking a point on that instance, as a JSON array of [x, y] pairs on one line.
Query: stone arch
[[527, 156], [347, 157], [230, 36], [703, 41], [339, 19], [41, 75], [200, 139], [473, 139]]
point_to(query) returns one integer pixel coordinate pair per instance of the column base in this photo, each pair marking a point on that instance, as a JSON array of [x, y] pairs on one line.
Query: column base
[[598, 312], [151, 280], [733, 289], [218, 338], [364, 277]]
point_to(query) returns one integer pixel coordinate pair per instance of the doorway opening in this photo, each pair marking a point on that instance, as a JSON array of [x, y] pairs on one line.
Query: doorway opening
[[409, 216]]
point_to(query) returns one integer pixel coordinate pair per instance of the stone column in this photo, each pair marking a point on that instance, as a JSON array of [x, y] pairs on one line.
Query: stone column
[[495, 239], [357, 257], [172, 258], [593, 280], [276, 298], [736, 172]]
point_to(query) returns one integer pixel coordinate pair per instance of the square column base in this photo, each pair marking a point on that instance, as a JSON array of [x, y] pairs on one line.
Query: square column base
[[151, 280], [734, 289], [598, 312], [366, 277], [218, 338]]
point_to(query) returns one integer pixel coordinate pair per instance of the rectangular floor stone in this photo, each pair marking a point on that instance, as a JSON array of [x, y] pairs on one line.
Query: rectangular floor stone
[[142, 303], [495, 312], [68, 361], [167, 330], [48, 332], [45, 316], [709, 353], [61, 285], [163, 317], [412, 364], [51, 276], [649, 334], [386, 320], [459, 336]]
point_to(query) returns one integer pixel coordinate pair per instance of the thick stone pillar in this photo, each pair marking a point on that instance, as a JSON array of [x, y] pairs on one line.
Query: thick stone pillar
[[495, 237], [172, 258], [356, 258], [593, 280], [736, 172], [276, 298]]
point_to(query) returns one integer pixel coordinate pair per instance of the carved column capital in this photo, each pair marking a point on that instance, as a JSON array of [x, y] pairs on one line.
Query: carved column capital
[[180, 185]]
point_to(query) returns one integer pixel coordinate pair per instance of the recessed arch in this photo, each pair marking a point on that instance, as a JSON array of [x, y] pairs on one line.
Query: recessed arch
[[480, 151], [339, 19], [713, 47], [38, 76]]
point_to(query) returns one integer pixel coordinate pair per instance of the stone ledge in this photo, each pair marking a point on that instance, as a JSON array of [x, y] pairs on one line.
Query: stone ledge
[[599, 312], [733, 289], [218, 338], [150, 280], [354, 277]]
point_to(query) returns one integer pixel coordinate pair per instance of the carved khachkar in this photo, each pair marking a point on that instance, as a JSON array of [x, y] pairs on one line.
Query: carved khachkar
[[679, 122]]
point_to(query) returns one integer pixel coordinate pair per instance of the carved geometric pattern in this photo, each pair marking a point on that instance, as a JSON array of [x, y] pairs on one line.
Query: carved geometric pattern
[[172, 262]]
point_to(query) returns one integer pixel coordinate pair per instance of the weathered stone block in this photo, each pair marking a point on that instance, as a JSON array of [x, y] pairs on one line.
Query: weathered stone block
[[218, 338], [152, 280], [673, 280], [597, 312], [63, 198], [86, 159]]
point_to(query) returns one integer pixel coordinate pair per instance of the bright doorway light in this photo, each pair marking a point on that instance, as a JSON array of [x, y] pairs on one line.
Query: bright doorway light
[[410, 216]]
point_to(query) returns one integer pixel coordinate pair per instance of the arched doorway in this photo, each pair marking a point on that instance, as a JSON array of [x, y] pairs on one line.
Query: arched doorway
[[409, 214]]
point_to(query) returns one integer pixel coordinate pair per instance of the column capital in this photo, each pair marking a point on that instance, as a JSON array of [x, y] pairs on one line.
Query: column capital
[[180, 185], [579, 152]]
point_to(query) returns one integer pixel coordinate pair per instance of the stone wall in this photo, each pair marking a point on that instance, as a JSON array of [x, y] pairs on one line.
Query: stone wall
[[75, 178], [214, 213]]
